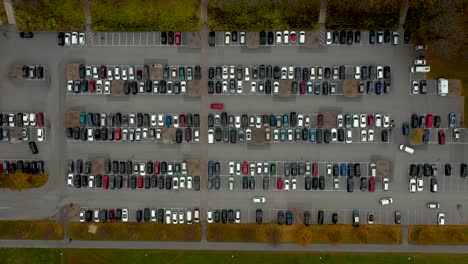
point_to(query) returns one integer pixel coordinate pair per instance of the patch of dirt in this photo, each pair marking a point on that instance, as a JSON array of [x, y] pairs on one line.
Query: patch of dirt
[[117, 88], [72, 119], [252, 40], [73, 71], [285, 88], [194, 40], [455, 88], [194, 88], [258, 136], [384, 168], [16, 72], [329, 119], [15, 135], [350, 88], [168, 135], [312, 39], [156, 72], [98, 166], [195, 167]]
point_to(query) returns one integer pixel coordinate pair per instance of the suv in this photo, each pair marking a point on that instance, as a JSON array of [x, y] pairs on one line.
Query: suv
[[355, 218]]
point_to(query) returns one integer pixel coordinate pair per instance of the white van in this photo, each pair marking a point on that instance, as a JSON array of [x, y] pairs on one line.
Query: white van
[[422, 69], [210, 136], [406, 149], [258, 199], [442, 87], [188, 216]]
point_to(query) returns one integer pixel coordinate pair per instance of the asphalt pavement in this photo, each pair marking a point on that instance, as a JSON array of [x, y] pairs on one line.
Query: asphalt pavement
[[50, 96]]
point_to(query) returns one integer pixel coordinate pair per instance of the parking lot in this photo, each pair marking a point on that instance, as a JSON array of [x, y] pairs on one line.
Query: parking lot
[[138, 49]]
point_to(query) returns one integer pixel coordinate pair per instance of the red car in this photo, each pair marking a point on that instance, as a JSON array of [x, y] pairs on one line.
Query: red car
[[293, 37], [279, 184], [40, 119], [118, 133], [315, 169], [319, 121], [182, 120], [140, 181], [370, 119], [245, 167], [139, 74], [302, 86], [1, 168], [105, 182], [103, 72], [371, 185], [188, 134], [429, 120], [441, 137], [111, 215], [217, 106], [178, 38], [156, 167], [92, 85]]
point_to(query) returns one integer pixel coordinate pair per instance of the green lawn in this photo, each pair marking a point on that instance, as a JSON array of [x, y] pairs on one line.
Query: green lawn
[[34, 229], [3, 16], [145, 15], [93, 256], [438, 235], [256, 15], [49, 15]]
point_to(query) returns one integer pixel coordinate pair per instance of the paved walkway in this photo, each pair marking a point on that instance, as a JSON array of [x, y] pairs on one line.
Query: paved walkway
[[323, 11], [403, 12], [9, 12], [233, 246], [86, 12]]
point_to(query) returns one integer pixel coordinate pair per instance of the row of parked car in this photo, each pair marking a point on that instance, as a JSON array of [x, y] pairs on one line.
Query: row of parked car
[[224, 216], [32, 72], [26, 134], [130, 167], [71, 38], [22, 119], [298, 73], [174, 182], [104, 215], [25, 166], [141, 120], [426, 169], [168, 216], [430, 120], [348, 37]]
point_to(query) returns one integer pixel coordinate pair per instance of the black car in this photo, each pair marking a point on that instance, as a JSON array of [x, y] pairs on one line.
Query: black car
[[463, 170], [26, 35], [170, 37], [263, 37], [212, 38], [322, 183], [161, 182], [168, 182], [139, 215], [341, 72], [320, 217], [357, 37], [386, 36], [384, 135], [308, 183], [33, 147], [82, 71], [259, 216], [179, 136], [270, 38], [280, 217], [350, 184], [363, 186], [349, 38], [448, 169], [233, 135], [397, 217], [315, 183], [336, 37], [164, 38], [342, 37], [77, 181], [414, 121], [60, 38], [372, 37], [334, 218]]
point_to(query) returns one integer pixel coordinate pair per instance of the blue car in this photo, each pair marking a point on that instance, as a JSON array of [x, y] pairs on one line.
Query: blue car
[[343, 169], [285, 120], [405, 128], [312, 135], [289, 218], [168, 121], [426, 136], [319, 135], [83, 118], [378, 88]]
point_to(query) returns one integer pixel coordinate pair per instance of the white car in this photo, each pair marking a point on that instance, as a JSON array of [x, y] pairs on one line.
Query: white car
[[385, 184], [91, 181], [95, 72], [82, 39], [336, 184], [99, 87], [302, 37], [70, 86], [232, 72], [258, 121], [329, 169], [107, 87], [246, 73], [142, 168], [70, 180], [174, 217], [182, 182], [294, 183], [225, 72], [441, 219], [349, 136], [131, 73], [420, 62], [67, 39], [231, 168], [253, 88], [363, 135], [373, 169], [386, 120], [160, 120], [276, 87], [379, 72], [378, 120], [334, 134], [290, 72], [433, 205], [339, 120], [415, 87], [40, 134], [258, 199], [328, 38], [227, 38], [74, 38], [88, 71], [363, 121], [175, 183], [196, 134], [284, 73], [406, 149], [168, 216], [386, 201], [357, 73], [239, 87], [209, 216], [286, 37], [419, 184], [412, 185], [248, 134], [124, 74], [82, 216], [175, 120], [370, 135], [279, 38], [125, 215], [117, 73], [312, 73], [286, 184], [355, 121]]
